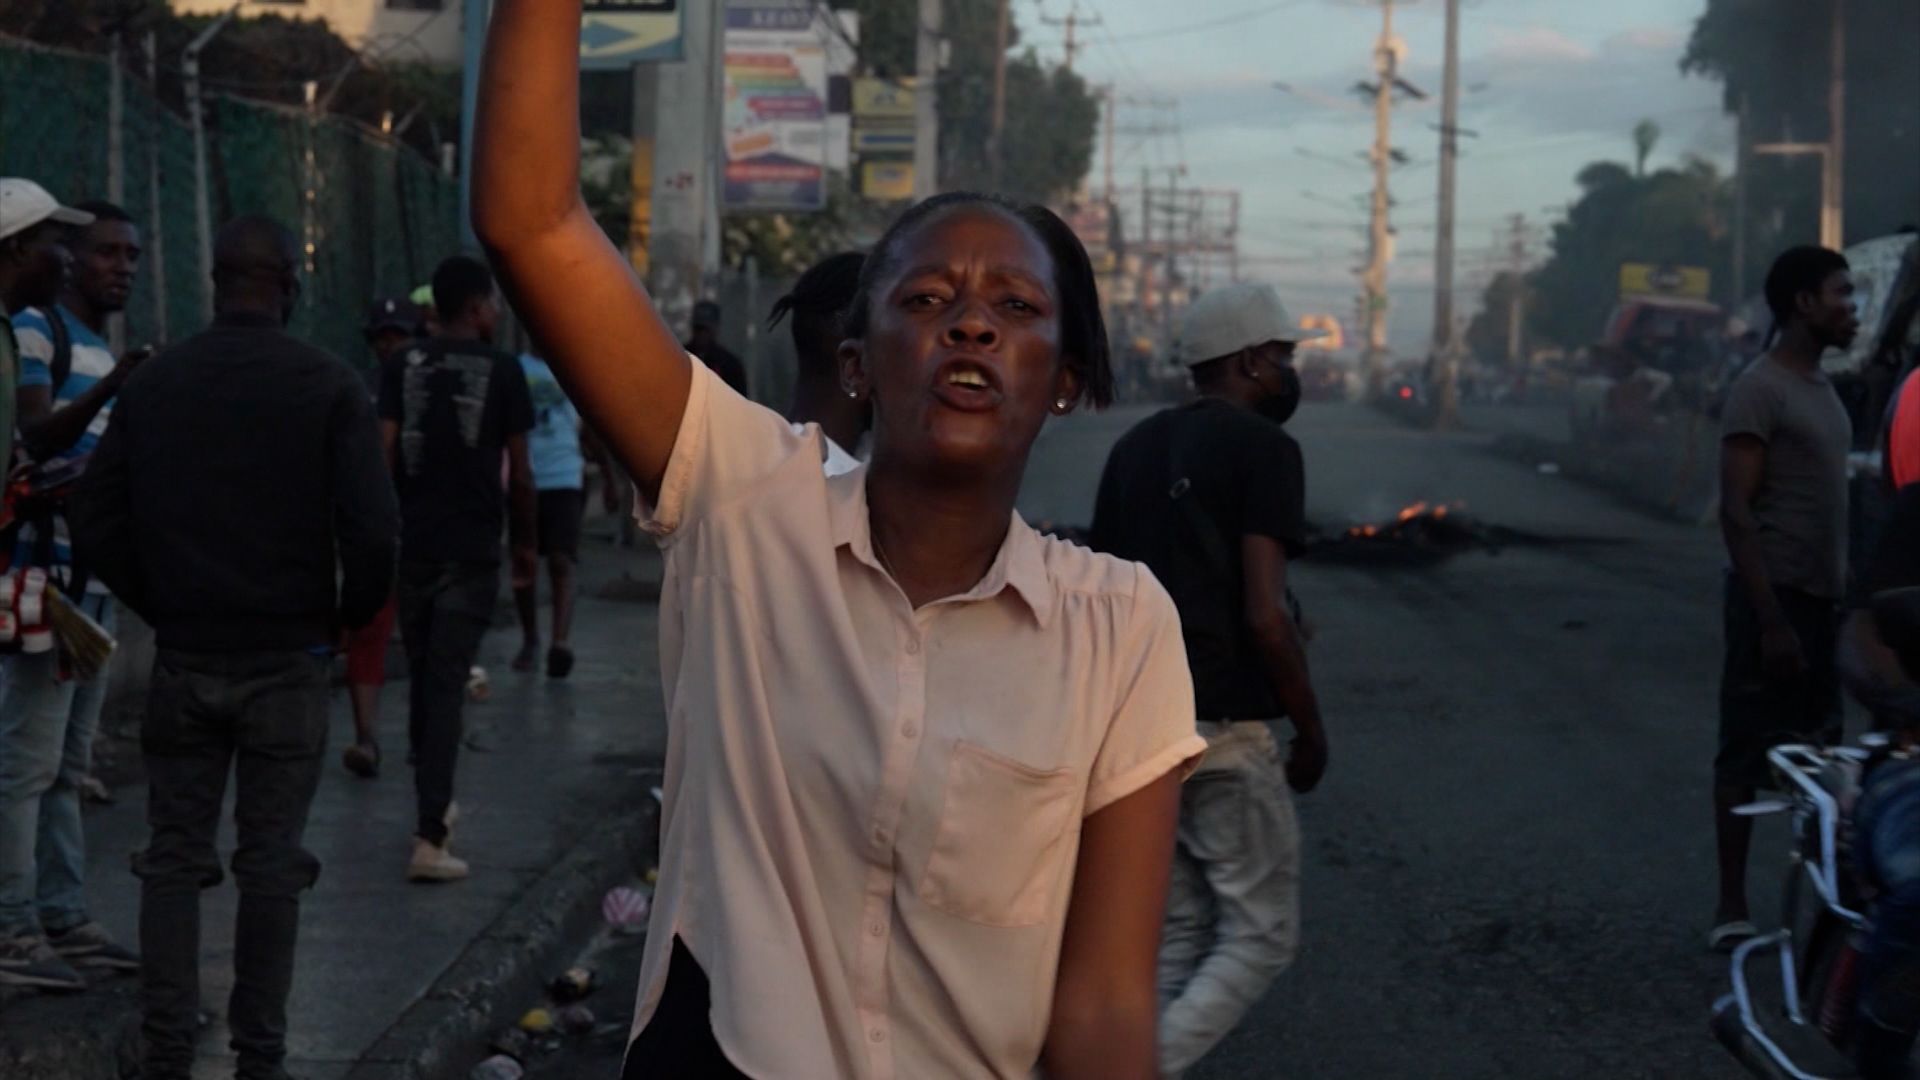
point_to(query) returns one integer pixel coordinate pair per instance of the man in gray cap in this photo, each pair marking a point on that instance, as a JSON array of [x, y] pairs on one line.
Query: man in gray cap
[[1211, 497], [34, 263]]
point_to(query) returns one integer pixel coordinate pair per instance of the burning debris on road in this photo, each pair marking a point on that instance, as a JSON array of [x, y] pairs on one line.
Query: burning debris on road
[[1419, 535]]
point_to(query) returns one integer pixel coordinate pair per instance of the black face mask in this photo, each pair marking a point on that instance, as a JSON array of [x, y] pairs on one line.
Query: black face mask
[[1280, 405]]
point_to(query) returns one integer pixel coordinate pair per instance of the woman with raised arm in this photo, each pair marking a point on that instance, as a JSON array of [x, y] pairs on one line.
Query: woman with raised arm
[[922, 763]]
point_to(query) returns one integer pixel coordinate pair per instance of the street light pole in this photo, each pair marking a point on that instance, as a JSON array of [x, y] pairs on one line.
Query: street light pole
[[1386, 65]]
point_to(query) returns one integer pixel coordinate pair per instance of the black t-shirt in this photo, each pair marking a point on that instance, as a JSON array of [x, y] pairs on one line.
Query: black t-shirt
[[457, 404], [729, 367], [1245, 475]]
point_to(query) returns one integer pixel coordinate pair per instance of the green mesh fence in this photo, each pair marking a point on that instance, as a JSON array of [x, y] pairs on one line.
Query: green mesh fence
[[378, 216]]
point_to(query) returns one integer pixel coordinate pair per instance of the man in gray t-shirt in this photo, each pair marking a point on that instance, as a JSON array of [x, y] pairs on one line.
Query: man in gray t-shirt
[[1783, 512]]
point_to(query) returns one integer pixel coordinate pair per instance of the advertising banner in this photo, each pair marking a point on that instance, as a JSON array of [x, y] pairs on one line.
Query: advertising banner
[[776, 107]]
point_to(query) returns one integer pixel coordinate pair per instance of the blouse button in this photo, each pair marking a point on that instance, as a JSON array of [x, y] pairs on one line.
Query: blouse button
[[913, 646], [909, 730]]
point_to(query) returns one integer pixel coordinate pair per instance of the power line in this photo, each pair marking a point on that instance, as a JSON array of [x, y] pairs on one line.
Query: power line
[[1208, 24]]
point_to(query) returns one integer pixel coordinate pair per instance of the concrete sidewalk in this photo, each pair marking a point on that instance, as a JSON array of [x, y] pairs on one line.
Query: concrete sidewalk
[[546, 765]]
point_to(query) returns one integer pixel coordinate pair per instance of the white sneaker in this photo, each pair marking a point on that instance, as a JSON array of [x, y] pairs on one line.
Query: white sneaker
[[434, 863]]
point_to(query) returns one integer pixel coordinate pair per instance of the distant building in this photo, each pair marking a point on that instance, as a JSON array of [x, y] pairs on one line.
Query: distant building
[[393, 30]]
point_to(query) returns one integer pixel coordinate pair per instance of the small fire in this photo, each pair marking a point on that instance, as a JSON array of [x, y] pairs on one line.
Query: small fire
[[1407, 515]]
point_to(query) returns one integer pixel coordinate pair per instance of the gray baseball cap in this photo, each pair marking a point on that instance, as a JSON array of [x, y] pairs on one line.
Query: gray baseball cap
[[1226, 320]]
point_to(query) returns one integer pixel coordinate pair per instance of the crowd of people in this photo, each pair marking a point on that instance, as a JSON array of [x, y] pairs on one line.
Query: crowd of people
[[325, 509]]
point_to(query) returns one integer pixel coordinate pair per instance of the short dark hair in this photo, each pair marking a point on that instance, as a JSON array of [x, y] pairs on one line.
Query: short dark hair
[[819, 301], [1083, 329], [1799, 270], [102, 210], [459, 280]]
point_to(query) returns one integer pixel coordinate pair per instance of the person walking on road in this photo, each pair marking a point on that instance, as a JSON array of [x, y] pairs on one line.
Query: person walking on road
[[559, 479], [236, 502], [923, 763], [1783, 511], [391, 325], [1211, 497], [818, 307], [449, 409], [704, 343], [42, 855]]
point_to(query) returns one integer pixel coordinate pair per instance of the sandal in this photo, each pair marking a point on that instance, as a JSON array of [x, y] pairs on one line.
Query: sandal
[[362, 760], [559, 662], [1728, 935]]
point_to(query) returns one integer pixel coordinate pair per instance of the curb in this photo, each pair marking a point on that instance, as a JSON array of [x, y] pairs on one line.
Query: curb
[[442, 1035]]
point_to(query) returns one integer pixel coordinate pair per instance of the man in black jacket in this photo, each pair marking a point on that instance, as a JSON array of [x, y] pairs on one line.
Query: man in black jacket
[[238, 502]]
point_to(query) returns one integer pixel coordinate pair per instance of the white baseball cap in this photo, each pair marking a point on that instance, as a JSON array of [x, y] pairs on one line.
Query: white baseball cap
[[1226, 320], [24, 204]]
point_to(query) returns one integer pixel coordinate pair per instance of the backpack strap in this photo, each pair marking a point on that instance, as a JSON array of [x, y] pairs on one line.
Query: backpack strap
[[61, 365]]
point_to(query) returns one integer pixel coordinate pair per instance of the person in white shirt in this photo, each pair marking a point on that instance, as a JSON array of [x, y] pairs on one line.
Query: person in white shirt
[[818, 308]]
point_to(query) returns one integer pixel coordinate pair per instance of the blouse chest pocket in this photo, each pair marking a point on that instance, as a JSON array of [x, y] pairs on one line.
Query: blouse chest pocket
[[1004, 829]]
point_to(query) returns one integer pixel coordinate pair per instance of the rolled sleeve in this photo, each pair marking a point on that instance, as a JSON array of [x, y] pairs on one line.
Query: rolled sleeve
[[725, 446], [1152, 732]]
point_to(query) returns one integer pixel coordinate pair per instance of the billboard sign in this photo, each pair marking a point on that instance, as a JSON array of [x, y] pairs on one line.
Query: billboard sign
[[776, 106], [621, 33], [1665, 279]]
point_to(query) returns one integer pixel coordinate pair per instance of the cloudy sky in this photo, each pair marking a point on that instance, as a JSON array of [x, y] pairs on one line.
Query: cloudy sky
[[1549, 85]]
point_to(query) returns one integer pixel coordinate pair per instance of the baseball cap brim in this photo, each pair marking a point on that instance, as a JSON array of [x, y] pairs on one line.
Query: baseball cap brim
[[67, 215]]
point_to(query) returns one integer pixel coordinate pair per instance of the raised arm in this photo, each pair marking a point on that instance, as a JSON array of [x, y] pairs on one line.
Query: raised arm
[[596, 327]]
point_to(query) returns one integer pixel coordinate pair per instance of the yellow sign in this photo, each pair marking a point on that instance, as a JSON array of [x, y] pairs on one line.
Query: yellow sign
[[1665, 279], [882, 99], [887, 181]]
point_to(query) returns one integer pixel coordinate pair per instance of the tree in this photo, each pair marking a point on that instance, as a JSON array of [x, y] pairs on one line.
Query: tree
[[1772, 56], [1052, 115], [1675, 215]]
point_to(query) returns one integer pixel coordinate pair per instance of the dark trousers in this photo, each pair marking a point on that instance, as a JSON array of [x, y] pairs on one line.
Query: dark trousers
[[678, 1039], [445, 609], [262, 716]]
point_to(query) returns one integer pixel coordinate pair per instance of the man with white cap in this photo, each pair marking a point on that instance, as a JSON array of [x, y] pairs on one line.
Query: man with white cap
[[34, 261], [1211, 497]]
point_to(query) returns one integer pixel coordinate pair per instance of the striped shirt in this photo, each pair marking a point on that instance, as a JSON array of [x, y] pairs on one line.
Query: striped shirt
[[92, 361]]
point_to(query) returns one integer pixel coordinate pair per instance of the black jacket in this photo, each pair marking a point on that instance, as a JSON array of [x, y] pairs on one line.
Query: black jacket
[[239, 500]]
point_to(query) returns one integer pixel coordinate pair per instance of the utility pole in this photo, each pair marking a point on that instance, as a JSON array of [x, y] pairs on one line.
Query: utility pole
[[1166, 283], [1443, 335], [196, 115], [1071, 24], [996, 134], [1517, 255], [1386, 67], [1113, 105], [1831, 177], [1740, 165], [926, 101]]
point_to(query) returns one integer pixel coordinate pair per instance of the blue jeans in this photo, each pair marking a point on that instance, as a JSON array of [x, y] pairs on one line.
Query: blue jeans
[[1887, 851], [46, 747]]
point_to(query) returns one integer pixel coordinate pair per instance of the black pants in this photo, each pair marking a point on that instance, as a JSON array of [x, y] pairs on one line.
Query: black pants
[[1761, 708], [263, 716], [445, 609], [678, 1042]]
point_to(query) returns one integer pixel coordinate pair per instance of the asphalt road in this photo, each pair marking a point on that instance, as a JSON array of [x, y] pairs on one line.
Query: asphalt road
[[1507, 872]]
